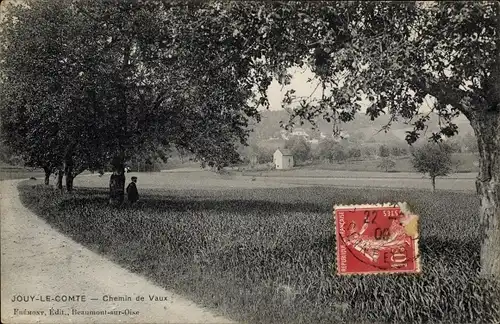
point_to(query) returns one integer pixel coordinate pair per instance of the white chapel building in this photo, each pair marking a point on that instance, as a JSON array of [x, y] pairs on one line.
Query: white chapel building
[[283, 159]]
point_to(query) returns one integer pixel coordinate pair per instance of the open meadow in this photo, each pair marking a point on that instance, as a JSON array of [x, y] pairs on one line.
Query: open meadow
[[263, 251], [14, 172]]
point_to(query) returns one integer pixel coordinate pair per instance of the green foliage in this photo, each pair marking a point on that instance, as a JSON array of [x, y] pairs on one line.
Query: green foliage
[[31, 95], [192, 68], [107, 80], [339, 154], [383, 151], [263, 154], [398, 150], [386, 53], [369, 151], [120, 79], [455, 146], [394, 151], [275, 251], [354, 153], [315, 134], [325, 149], [433, 159], [300, 149], [7, 155], [330, 150], [358, 137]]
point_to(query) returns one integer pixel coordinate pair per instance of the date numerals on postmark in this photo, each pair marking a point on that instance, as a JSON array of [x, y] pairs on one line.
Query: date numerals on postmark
[[370, 216], [382, 234]]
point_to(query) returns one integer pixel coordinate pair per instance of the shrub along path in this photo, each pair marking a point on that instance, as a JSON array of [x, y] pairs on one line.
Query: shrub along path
[[38, 261]]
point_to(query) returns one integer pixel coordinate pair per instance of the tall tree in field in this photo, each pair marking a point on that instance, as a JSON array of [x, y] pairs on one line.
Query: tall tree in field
[[325, 150], [432, 159]]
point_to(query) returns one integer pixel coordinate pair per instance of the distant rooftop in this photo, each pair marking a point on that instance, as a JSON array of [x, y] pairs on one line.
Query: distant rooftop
[[285, 151]]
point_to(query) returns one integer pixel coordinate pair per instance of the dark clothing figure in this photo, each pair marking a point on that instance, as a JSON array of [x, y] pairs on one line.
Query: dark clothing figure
[[132, 193]]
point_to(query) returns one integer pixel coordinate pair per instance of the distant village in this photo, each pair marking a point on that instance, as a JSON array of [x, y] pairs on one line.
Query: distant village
[[310, 138]]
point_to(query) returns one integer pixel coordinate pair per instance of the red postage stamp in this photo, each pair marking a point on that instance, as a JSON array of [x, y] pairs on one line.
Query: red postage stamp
[[374, 239]]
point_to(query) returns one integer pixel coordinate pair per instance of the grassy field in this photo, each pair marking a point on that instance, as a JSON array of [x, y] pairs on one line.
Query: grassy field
[[14, 172], [463, 162], [266, 255], [322, 173]]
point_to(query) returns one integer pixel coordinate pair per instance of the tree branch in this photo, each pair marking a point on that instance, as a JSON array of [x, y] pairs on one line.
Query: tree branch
[[449, 95]]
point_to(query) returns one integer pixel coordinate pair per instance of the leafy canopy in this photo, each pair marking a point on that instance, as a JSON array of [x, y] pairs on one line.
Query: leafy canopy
[[120, 78]]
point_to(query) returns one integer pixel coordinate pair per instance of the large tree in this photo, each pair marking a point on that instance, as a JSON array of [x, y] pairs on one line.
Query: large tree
[[128, 78], [35, 84]]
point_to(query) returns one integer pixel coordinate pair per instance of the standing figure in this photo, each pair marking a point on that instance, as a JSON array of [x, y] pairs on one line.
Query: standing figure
[[132, 193]]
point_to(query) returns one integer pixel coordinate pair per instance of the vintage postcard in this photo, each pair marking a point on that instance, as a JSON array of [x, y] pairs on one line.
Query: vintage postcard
[[177, 161]]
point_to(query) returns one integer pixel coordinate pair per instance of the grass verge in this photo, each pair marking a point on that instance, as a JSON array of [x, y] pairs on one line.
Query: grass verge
[[267, 255]]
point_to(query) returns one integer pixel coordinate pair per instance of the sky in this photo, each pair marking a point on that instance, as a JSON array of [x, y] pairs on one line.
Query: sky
[[299, 84], [303, 88]]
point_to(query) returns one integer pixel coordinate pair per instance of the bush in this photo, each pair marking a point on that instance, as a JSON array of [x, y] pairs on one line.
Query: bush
[[300, 149], [354, 153], [263, 154], [339, 154], [383, 151], [368, 151], [399, 151], [324, 150], [267, 256]]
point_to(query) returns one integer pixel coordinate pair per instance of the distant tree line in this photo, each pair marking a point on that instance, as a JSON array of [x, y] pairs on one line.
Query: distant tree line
[[332, 151]]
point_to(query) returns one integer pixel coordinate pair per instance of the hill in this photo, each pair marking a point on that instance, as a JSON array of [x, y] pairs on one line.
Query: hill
[[362, 127]]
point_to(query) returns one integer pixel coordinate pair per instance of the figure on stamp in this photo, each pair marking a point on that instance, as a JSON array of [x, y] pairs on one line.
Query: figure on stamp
[[132, 193]]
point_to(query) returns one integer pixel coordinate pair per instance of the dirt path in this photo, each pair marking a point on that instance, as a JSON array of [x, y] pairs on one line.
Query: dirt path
[[39, 262]]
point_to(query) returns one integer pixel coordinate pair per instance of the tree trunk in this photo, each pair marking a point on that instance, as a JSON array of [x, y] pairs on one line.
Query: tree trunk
[[486, 125], [433, 179], [47, 175], [117, 183], [69, 181], [60, 179], [117, 179], [69, 172]]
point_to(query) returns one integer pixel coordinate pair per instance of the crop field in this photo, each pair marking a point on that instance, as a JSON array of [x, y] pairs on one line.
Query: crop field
[[286, 179], [267, 255]]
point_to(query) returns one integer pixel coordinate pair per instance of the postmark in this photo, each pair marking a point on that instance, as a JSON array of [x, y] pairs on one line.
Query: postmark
[[376, 239]]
